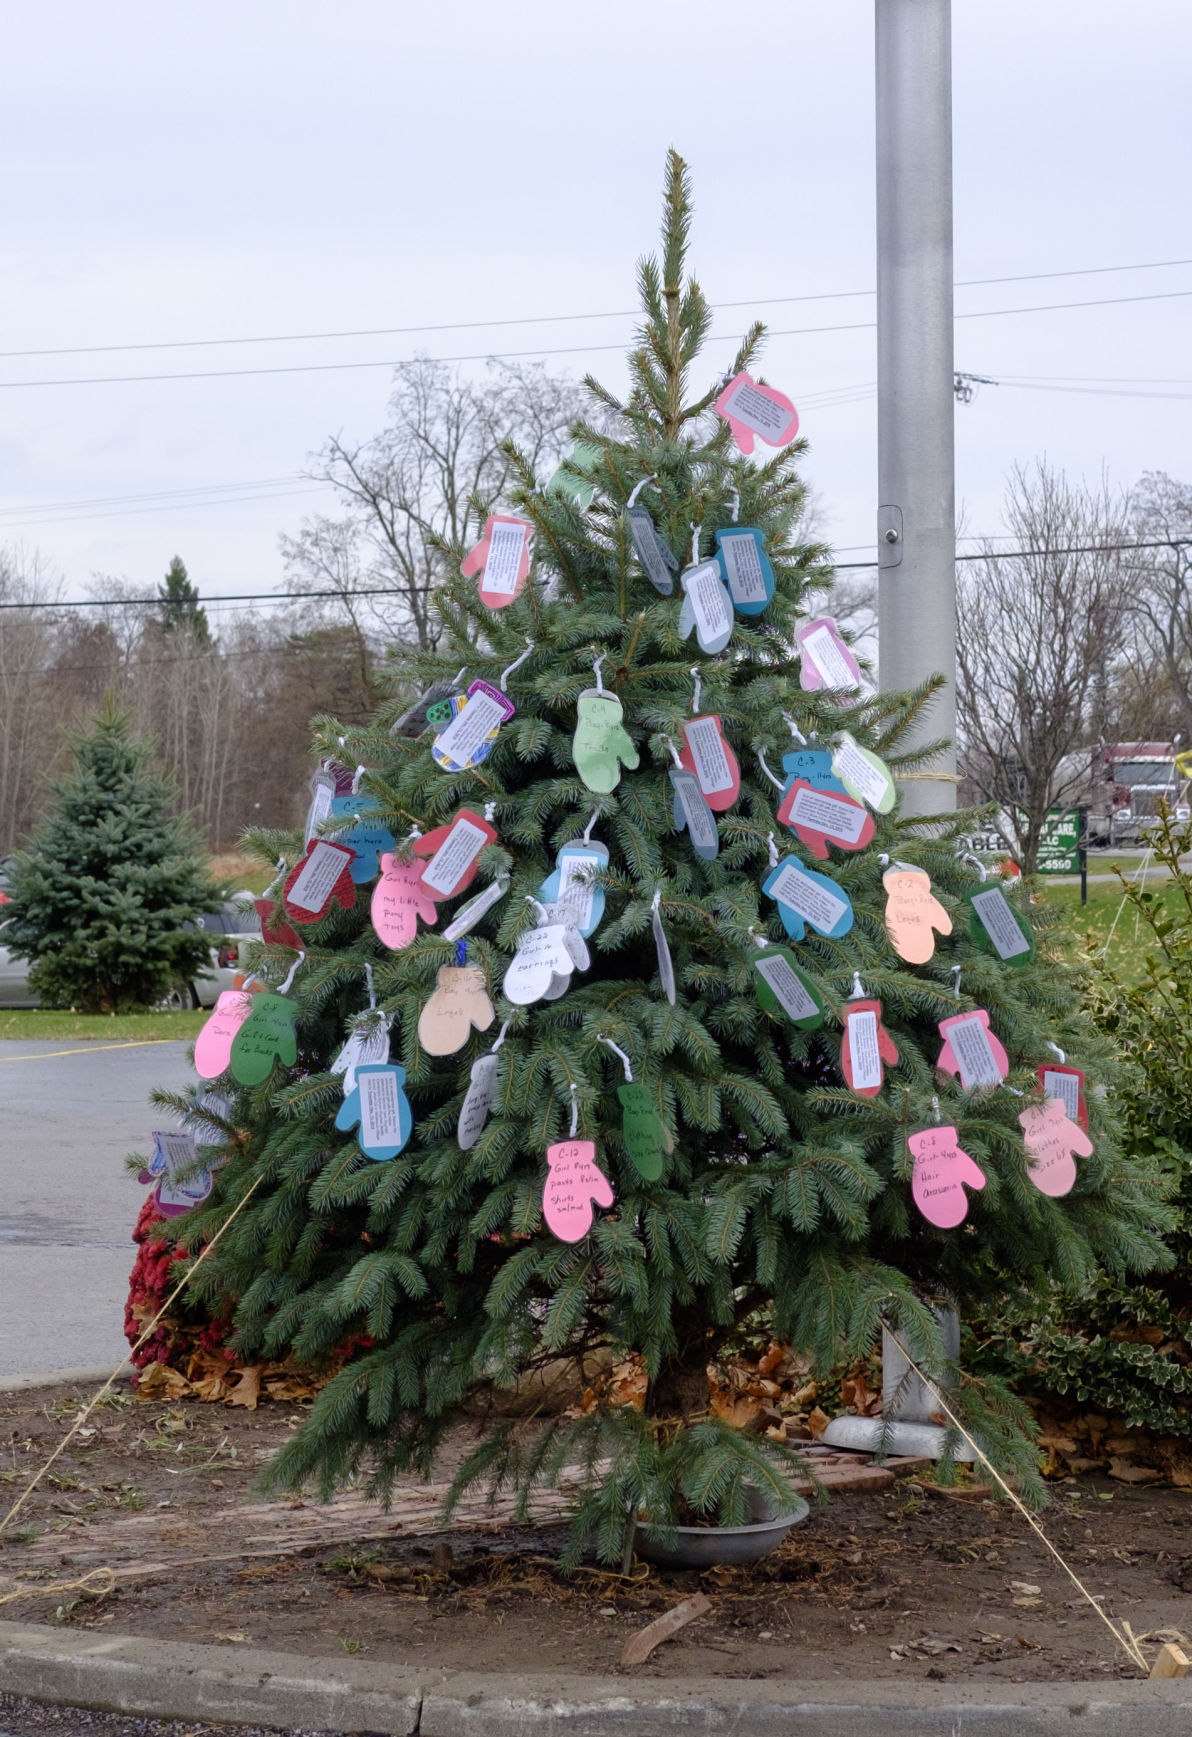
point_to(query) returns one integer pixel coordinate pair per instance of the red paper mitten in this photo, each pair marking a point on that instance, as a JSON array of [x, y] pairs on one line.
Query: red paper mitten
[[820, 817], [318, 880], [867, 1044], [709, 755], [1066, 1084], [1052, 1142], [502, 558], [275, 931], [399, 899], [972, 1051], [453, 851]]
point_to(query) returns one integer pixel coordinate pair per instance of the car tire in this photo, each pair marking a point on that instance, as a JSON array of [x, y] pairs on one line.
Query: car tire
[[180, 1000]]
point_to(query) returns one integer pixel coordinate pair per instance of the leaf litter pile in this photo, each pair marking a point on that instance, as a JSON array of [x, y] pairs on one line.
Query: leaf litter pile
[[902, 1581]]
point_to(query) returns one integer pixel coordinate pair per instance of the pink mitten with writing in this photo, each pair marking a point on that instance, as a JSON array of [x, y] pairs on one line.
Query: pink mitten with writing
[[1052, 1141], [399, 899], [754, 411], [574, 1180], [820, 817], [213, 1046], [942, 1172]]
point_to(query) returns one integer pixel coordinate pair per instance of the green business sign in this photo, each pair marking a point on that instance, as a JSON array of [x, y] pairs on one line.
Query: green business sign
[[1059, 847]]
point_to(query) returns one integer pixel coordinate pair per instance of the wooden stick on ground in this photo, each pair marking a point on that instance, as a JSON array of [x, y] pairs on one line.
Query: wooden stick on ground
[[639, 1646], [1172, 1662]]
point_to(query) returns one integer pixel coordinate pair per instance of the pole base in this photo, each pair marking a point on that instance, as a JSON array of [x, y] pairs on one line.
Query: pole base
[[870, 1435]]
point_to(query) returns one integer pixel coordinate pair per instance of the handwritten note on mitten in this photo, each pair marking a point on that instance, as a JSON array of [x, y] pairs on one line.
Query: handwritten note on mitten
[[213, 1046], [502, 558], [399, 899], [1053, 1143], [266, 1036], [541, 957], [941, 1173], [646, 1139], [913, 914], [362, 832], [601, 741], [458, 1005], [867, 1044], [574, 1181], [755, 412]]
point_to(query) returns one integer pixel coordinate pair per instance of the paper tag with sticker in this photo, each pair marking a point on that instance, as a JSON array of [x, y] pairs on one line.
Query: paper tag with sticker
[[181, 1181], [655, 558], [913, 913], [867, 1044], [459, 1005], [379, 1105], [741, 551], [454, 852], [502, 558], [942, 1171], [820, 818], [1066, 1084], [691, 813], [601, 741], [574, 1181], [803, 896], [706, 606], [782, 986], [827, 661], [972, 1050], [863, 774], [1053, 1142], [318, 880], [708, 754], [753, 411], [998, 928], [572, 885], [473, 729]]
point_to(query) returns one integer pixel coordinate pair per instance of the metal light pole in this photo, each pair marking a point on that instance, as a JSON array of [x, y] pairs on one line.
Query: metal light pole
[[916, 520], [916, 480]]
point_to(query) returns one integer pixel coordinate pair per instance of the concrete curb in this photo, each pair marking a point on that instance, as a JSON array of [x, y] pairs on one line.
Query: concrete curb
[[56, 1377], [173, 1680]]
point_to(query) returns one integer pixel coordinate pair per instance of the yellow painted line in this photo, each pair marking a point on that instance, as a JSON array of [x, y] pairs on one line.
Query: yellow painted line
[[88, 1049]]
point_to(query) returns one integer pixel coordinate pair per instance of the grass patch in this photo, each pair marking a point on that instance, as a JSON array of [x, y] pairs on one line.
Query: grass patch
[[41, 1025], [1091, 926], [236, 871]]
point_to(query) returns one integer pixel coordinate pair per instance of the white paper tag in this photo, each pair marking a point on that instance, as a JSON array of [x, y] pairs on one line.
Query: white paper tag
[[823, 812], [970, 1045], [666, 969], [998, 921], [1065, 1087], [697, 816], [178, 1150], [505, 546], [470, 914], [807, 898], [479, 1101], [577, 894], [827, 657], [454, 856], [380, 1110], [216, 1105], [320, 804], [791, 992], [746, 404], [705, 589], [863, 1050], [470, 728], [708, 756], [316, 883], [851, 767], [742, 566], [368, 1045]]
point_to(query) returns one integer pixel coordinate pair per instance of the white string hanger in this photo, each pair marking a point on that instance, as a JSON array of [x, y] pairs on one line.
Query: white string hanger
[[596, 667], [696, 688], [284, 988], [761, 760], [574, 1111], [620, 1053], [647, 482], [516, 664]]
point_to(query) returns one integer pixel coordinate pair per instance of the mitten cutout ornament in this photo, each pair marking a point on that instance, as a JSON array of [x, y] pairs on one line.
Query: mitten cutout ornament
[[583, 459], [573, 1182], [368, 1046], [707, 753], [601, 741], [803, 897], [380, 1106], [478, 1101], [827, 662], [942, 1172], [819, 818], [707, 606], [666, 965], [913, 913], [318, 880], [998, 928], [399, 899], [655, 557], [748, 574], [972, 1050], [275, 931], [541, 957], [646, 1139], [867, 1044], [573, 887], [181, 1182], [453, 852], [502, 558], [783, 988], [864, 775], [266, 1036], [467, 740], [441, 715], [213, 1046], [469, 914], [362, 833], [691, 814], [1066, 1084], [460, 1001], [1053, 1142], [755, 412]]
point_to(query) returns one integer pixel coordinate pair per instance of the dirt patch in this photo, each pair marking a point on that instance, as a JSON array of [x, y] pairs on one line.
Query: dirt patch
[[901, 1582]]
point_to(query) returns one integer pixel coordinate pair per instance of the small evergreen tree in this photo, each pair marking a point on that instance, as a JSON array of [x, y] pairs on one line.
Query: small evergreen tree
[[181, 610], [100, 898], [747, 1178]]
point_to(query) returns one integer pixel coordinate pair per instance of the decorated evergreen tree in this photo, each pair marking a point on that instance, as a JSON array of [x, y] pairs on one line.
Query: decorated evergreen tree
[[106, 897], [673, 1067]]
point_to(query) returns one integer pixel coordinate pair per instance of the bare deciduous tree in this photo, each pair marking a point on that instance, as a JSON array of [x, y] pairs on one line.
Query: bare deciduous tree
[[1157, 677], [1037, 636]]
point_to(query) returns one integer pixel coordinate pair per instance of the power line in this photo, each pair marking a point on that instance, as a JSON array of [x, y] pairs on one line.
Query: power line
[[553, 319], [169, 507], [1012, 554], [560, 350], [153, 494]]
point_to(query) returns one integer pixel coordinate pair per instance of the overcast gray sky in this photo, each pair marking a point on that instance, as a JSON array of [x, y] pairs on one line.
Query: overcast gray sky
[[247, 170]]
